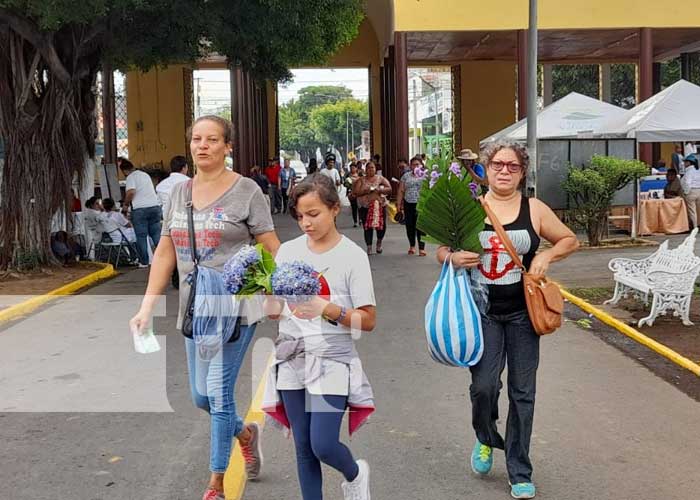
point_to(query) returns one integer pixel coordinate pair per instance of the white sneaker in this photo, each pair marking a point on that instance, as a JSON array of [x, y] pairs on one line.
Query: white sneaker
[[359, 488]]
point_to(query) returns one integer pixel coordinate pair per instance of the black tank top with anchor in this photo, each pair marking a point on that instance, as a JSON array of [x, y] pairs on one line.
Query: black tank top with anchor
[[497, 269]]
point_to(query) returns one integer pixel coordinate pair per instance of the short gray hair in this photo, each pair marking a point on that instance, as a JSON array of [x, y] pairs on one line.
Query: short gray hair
[[490, 150]]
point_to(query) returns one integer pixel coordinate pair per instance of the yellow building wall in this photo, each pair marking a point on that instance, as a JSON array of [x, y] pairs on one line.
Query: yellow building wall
[[667, 150], [456, 15], [364, 51], [156, 115], [486, 108]]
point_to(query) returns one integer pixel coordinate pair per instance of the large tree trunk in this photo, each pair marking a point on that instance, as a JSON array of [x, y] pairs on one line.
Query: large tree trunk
[[47, 120]]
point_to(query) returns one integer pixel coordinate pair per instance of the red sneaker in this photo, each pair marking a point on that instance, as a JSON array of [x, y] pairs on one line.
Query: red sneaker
[[212, 494], [252, 452]]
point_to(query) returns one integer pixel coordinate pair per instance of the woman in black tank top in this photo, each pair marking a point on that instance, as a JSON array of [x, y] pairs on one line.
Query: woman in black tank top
[[509, 337]]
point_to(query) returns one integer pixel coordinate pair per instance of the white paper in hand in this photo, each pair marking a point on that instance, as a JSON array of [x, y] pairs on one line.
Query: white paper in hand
[[145, 343]]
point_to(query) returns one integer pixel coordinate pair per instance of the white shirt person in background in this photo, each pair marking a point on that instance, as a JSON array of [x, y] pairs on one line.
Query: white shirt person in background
[[121, 222], [691, 189], [146, 212], [331, 171], [179, 170]]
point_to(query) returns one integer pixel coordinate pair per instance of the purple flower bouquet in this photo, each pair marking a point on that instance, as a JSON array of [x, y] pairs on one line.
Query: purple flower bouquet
[[297, 282], [249, 271]]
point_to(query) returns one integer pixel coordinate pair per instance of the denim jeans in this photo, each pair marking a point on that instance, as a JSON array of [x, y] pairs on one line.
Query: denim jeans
[[147, 222], [511, 339], [212, 384]]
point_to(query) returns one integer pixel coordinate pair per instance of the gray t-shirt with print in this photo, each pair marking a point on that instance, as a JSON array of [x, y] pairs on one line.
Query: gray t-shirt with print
[[221, 228]]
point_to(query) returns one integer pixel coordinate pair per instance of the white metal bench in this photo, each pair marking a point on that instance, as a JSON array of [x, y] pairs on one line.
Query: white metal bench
[[668, 275]]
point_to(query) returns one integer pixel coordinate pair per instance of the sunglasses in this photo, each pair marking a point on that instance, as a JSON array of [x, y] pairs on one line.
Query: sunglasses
[[512, 167]]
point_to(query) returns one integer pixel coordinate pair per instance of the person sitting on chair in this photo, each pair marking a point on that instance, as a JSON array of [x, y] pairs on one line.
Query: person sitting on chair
[[120, 222], [673, 188]]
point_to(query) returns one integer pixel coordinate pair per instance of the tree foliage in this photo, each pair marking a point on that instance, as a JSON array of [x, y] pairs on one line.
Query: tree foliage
[[592, 189], [575, 78], [333, 124], [585, 79], [51, 52], [295, 133], [322, 116], [317, 95]]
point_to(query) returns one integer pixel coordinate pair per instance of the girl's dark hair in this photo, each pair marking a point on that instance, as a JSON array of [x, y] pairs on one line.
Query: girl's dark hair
[[317, 183], [313, 166], [90, 202], [226, 127], [108, 204]]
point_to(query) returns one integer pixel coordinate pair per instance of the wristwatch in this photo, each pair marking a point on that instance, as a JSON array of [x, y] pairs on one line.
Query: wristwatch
[[341, 316]]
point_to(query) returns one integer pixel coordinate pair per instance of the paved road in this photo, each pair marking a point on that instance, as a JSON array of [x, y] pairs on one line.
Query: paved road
[[606, 428]]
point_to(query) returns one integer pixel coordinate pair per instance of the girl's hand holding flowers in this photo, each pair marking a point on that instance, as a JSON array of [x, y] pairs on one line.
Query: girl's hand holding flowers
[[311, 309]]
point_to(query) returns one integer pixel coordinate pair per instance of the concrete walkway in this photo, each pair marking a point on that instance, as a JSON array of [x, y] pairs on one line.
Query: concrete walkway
[[124, 427]]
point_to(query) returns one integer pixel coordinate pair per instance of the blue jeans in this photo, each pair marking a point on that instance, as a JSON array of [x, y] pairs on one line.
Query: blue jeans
[[316, 438], [508, 338], [147, 222], [212, 384]]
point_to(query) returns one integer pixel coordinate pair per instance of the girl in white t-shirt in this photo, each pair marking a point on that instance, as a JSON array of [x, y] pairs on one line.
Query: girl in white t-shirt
[[317, 373]]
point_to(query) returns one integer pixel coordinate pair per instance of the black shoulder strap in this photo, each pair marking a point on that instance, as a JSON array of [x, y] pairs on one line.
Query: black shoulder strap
[[190, 224]]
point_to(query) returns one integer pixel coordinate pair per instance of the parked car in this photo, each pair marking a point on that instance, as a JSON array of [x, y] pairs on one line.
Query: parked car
[[299, 169]]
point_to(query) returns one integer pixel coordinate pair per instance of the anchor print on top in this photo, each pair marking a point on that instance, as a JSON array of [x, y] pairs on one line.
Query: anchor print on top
[[497, 267]]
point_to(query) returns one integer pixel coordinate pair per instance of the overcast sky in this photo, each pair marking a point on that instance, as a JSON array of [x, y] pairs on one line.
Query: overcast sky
[[214, 86], [354, 79]]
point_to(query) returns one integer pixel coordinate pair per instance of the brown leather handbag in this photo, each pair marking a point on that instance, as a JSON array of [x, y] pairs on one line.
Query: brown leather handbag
[[545, 303]]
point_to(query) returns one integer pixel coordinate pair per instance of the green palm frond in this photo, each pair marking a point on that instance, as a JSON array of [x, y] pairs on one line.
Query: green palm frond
[[449, 214]]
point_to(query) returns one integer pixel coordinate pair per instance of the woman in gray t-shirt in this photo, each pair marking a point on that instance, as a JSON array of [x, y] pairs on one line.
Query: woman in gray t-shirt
[[229, 211]]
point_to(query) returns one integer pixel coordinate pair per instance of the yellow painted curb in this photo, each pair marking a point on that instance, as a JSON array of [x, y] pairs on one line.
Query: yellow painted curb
[[635, 335], [26, 307], [235, 478]]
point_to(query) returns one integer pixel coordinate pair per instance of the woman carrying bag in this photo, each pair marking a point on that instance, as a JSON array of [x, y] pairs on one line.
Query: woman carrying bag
[[371, 191], [226, 212], [509, 335]]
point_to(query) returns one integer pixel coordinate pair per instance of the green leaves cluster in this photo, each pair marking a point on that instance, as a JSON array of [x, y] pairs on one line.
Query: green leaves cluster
[[320, 117], [584, 79], [259, 277], [266, 37], [448, 213], [592, 189]]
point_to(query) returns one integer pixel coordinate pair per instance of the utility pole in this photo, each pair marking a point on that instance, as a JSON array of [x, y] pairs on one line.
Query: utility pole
[[199, 99], [347, 133], [353, 134], [532, 100], [416, 139], [437, 123]]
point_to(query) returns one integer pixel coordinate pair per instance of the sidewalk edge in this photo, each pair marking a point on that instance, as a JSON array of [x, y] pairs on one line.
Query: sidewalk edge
[[26, 307], [235, 479], [632, 333]]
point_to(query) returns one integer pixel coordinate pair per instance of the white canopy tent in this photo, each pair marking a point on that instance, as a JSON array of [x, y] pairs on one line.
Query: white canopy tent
[[569, 117], [669, 116]]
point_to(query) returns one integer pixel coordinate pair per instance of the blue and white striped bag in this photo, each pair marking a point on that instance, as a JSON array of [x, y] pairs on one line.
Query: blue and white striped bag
[[452, 320]]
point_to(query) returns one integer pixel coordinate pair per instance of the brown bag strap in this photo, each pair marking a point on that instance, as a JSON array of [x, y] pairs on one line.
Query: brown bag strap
[[505, 239]]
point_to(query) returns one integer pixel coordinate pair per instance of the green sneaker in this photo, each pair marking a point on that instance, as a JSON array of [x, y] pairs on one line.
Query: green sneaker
[[482, 458], [523, 490]]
